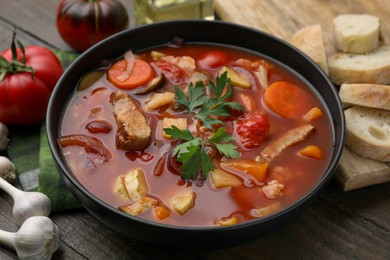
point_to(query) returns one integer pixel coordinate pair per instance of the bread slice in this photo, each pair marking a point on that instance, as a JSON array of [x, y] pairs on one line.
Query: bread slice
[[368, 132], [373, 67], [309, 40], [367, 95], [356, 33]]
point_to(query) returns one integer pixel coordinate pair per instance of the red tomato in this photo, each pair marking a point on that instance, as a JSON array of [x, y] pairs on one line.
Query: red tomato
[[24, 98], [213, 59], [172, 72], [82, 23], [253, 129]]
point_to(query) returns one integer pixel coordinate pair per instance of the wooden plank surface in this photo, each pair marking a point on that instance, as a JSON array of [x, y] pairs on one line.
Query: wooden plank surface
[[283, 19], [338, 225]]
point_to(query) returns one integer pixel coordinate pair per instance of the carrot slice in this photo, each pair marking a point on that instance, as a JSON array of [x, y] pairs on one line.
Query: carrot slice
[[286, 99], [311, 151], [313, 114], [141, 74], [256, 169]]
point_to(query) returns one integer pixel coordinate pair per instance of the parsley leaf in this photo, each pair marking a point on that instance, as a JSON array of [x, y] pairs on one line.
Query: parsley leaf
[[210, 107], [192, 154], [196, 96]]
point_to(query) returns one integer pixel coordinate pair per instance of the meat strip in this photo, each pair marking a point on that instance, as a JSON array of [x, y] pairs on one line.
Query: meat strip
[[133, 132], [288, 139]]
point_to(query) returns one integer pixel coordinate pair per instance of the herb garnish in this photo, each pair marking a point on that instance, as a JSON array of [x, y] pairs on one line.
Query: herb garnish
[[192, 153]]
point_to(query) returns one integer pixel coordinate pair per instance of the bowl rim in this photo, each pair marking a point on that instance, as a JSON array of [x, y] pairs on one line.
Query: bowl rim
[[65, 172]]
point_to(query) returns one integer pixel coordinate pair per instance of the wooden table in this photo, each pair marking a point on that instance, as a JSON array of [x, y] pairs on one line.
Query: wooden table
[[338, 225]]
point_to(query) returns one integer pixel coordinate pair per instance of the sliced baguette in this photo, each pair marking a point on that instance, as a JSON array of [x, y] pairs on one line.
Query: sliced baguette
[[356, 33], [373, 67], [367, 95], [368, 132], [309, 40]]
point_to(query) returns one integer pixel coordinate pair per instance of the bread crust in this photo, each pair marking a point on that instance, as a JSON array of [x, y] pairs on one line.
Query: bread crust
[[356, 33], [373, 67], [368, 132], [367, 95], [309, 40]]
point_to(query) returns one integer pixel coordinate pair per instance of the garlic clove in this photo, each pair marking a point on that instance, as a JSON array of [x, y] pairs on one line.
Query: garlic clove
[[7, 169], [3, 136], [28, 204], [37, 238]]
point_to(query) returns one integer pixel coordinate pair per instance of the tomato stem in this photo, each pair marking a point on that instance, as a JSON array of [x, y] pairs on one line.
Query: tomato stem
[[15, 65]]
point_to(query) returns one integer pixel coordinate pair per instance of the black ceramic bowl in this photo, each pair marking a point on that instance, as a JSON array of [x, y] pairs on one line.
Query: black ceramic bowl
[[199, 32]]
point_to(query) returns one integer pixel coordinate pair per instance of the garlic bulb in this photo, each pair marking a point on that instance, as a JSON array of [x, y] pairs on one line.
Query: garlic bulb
[[7, 169], [26, 204], [3, 136], [37, 238]]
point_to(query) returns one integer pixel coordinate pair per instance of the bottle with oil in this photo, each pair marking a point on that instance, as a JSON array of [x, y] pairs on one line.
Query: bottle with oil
[[149, 11]]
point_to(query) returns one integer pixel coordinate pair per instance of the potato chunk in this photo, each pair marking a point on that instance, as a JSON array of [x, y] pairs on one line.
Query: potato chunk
[[184, 203], [180, 123], [133, 185], [222, 179], [158, 100], [235, 78], [139, 207], [228, 221]]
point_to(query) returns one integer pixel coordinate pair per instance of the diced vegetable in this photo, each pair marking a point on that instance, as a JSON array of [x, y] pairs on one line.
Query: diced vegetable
[[182, 204], [133, 185], [139, 207], [88, 79], [265, 211], [162, 212], [141, 74], [167, 122], [158, 100], [152, 85], [228, 221], [223, 179], [313, 114], [311, 151], [262, 76], [256, 169], [156, 55], [285, 99], [248, 102], [235, 78]]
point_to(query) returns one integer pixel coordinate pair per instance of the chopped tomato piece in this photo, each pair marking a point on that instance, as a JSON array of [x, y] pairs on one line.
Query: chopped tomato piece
[[253, 129], [141, 74], [213, 59], [171, 72]]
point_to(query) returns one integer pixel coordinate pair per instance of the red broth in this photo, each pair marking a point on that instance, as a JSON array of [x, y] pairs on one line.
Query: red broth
[[297, 174]]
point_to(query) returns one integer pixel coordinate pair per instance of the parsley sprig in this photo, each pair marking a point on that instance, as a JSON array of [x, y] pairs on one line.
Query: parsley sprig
[[192, 153], [210, 106]]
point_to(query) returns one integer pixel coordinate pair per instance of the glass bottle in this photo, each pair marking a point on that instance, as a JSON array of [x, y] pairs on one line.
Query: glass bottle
[[149, 11]]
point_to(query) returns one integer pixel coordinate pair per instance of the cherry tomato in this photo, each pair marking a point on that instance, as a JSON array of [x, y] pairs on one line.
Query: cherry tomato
[[253, 129], [82, 23], [24, 95], [171, 72], [213, 59]]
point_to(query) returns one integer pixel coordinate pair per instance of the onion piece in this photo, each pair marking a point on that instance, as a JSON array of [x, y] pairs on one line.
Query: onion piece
[[129, 57]]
